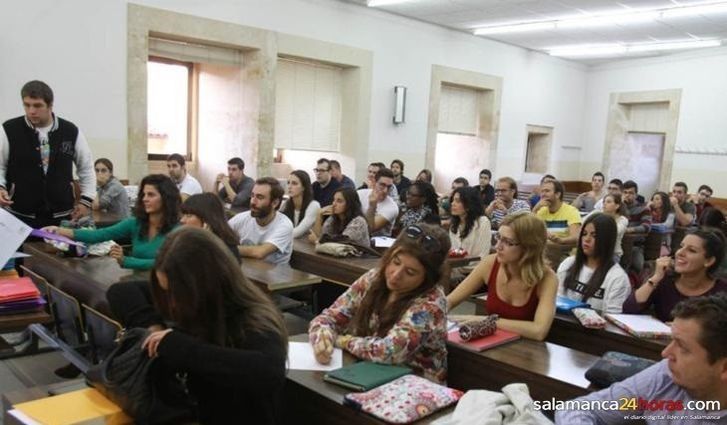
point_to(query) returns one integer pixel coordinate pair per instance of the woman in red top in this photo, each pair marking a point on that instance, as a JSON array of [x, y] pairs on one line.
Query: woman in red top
[[521, 288]]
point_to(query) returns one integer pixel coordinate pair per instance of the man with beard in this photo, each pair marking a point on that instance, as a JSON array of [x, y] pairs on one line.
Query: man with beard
[[688, 387], [264, 232]]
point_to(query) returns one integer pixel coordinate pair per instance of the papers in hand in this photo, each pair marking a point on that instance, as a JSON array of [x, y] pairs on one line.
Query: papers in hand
[[383, 241], [301, 357]]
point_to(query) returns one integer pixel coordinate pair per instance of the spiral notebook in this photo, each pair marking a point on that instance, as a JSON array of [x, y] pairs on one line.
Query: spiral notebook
[[640, 325]]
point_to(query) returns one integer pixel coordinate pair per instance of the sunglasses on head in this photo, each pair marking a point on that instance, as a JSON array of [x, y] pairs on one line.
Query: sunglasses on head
[[429, 243]]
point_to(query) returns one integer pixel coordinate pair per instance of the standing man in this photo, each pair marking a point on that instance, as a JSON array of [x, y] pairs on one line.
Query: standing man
[[186, 184], [684, 211], [401, 182], [265, 233], [325, 184], [236, 186], [379, 209], [587, 200], [339, 176], [505, 202], [37, 154]]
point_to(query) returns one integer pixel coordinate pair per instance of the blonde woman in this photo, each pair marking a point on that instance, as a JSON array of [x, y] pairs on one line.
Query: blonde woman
[[521, 288]]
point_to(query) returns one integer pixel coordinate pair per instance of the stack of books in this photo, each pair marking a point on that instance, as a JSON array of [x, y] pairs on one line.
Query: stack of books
[[19, 295]]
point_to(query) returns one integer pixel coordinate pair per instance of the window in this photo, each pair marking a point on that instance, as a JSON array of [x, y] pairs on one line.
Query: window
[[307, 105], [458, 110], [169, 91]]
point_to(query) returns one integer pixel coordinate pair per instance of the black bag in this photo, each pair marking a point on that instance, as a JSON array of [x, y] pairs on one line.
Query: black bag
[[141, 386], [614, 367]]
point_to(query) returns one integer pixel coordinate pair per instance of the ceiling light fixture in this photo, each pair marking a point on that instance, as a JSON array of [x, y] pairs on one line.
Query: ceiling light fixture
[[594, 20], [604, 50], [377, 3]]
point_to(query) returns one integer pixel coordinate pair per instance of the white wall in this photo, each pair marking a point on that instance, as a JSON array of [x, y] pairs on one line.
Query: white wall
[[79, 48], [702, 77]]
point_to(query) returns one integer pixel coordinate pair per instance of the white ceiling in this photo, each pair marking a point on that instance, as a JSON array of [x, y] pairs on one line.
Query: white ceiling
[[466, 15]]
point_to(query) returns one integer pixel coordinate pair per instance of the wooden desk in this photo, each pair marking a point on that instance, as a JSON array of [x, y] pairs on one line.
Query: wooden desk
[[567, 331], [87, 279], [105, 219], [308, 396], [276, 278]]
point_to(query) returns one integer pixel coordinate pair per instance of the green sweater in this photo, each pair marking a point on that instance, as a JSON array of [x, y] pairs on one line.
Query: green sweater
[[143, 250]]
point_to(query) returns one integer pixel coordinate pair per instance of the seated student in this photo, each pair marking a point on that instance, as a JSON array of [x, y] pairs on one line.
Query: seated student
[[111, 195], [395, 313], [421, 206], [342, 218], [684, 211], [445, 203], [613, 206], [300, 207], [228, 337], [562, 220], [370, 181], [325, 184], [701, 200], [615, 187], [714, 218], [487, 192], [205, 210], [337, 174], [186, 184], [424, 176], [521, 288], [236, 186], [534, 199], [401, 181], [505, 202], [155, 215], [694, 369], [264, 233], [469, 228], [592, 275], [689, 275], [587, 200], [662, 216], [377, 206]]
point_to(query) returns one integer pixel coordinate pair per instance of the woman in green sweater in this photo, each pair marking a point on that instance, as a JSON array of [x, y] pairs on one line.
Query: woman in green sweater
[[156, 214]]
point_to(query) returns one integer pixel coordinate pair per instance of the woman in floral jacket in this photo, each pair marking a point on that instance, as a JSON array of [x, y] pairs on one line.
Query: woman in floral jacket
[[396, 313]]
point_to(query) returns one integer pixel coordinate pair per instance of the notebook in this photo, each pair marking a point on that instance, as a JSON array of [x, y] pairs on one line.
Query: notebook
[[73, 407], [404, 400], [22, 306], [19, 288], [498, 338], [640, 325], [363, 376], [566, 305]]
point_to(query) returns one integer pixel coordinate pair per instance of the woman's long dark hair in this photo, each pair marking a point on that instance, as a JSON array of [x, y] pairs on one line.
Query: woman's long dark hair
[[472, 203], [170, 204], [605, 227], [353, 209], [429, 194], [209, 208], [208, 296], [289, 207], [376, 299], [665, 205]]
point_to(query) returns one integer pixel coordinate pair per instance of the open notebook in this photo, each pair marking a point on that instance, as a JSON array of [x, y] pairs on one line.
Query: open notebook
[[640, 325]]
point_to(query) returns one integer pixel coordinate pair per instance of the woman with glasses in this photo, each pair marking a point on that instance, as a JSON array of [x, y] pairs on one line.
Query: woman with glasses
[[421, 206], [395, 313], [592, 275], [300, 207], [469, 228], [521, 289], [155, 215], [111, 195], [343, 218]]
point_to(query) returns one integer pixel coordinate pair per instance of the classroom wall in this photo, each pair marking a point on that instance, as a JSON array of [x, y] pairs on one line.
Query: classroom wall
[[79, 48], [701, 150]]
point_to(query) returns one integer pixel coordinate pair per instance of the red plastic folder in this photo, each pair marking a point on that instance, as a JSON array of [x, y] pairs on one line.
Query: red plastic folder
[[21, 288], [481, 344]]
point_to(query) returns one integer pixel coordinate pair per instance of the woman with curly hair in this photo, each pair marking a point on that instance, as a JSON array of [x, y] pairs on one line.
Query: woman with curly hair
[[469, 228], [421, 206], [155, 215], [395, 313]]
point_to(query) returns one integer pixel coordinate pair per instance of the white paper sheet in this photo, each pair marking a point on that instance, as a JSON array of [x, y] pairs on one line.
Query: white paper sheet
[[301, 357], [22, 417], [383, 241], [13, 233]]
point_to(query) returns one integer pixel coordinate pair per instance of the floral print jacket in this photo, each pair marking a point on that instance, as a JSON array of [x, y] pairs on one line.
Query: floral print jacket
[[417, 340]]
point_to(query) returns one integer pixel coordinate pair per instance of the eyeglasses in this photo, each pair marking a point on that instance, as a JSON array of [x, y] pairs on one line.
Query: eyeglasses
[[321, 170], [505, 241], [429, 243]]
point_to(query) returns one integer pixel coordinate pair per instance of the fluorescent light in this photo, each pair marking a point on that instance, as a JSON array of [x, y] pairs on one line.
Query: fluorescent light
[[619, 49], [376, 3], [524, 27], [602, 19]]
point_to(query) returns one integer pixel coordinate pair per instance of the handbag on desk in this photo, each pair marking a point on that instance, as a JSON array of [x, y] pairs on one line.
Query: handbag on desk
[[342, 246], [614, 367], [140, 385]]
